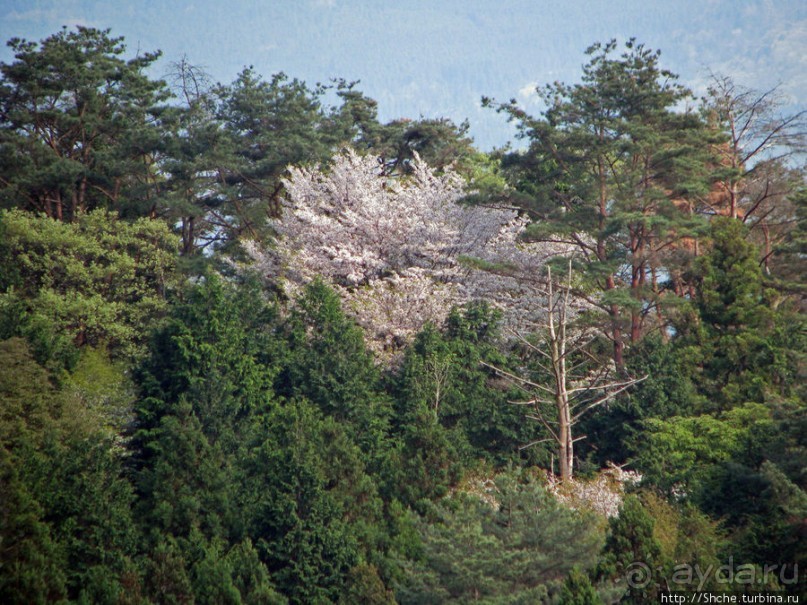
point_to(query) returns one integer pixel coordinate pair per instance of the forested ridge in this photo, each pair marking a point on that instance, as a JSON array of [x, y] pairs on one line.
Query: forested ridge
[[257, 346]]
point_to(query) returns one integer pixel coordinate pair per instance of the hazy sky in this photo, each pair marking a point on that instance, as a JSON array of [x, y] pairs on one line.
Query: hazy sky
[[438, 57]]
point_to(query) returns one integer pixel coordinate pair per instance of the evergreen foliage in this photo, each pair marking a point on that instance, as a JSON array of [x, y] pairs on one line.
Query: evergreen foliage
[[80, 126], [578, 590], [614, 169], [514, 545], [173, 430], [98, 281]]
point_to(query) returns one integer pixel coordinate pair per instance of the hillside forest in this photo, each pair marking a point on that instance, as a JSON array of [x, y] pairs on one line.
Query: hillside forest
[[259, 347]]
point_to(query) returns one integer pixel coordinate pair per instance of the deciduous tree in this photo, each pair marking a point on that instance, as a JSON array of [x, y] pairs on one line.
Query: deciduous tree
[[99, 280], [400, 251]]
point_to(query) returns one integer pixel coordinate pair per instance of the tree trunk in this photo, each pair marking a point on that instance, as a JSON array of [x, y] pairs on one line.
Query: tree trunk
[[565, 442], [59, 206], [616, 329]]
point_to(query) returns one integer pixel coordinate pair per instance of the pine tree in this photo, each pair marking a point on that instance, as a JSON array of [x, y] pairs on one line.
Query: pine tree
[[80, 126], [613, 169], [511, 542]]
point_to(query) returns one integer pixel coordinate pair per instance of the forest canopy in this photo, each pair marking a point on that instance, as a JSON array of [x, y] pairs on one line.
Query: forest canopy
[[257, 346]]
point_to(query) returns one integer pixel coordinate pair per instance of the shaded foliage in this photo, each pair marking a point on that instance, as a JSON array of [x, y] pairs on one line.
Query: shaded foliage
[[173, 431]]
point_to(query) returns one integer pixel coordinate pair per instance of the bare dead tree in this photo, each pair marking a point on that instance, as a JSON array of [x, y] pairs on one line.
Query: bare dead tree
[[188, 81], [194, 175], [762, 158], [578, 381]]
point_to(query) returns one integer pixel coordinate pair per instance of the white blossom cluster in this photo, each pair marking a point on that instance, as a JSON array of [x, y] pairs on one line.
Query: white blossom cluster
[[402, 251], [603, 494], [393, 309]]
